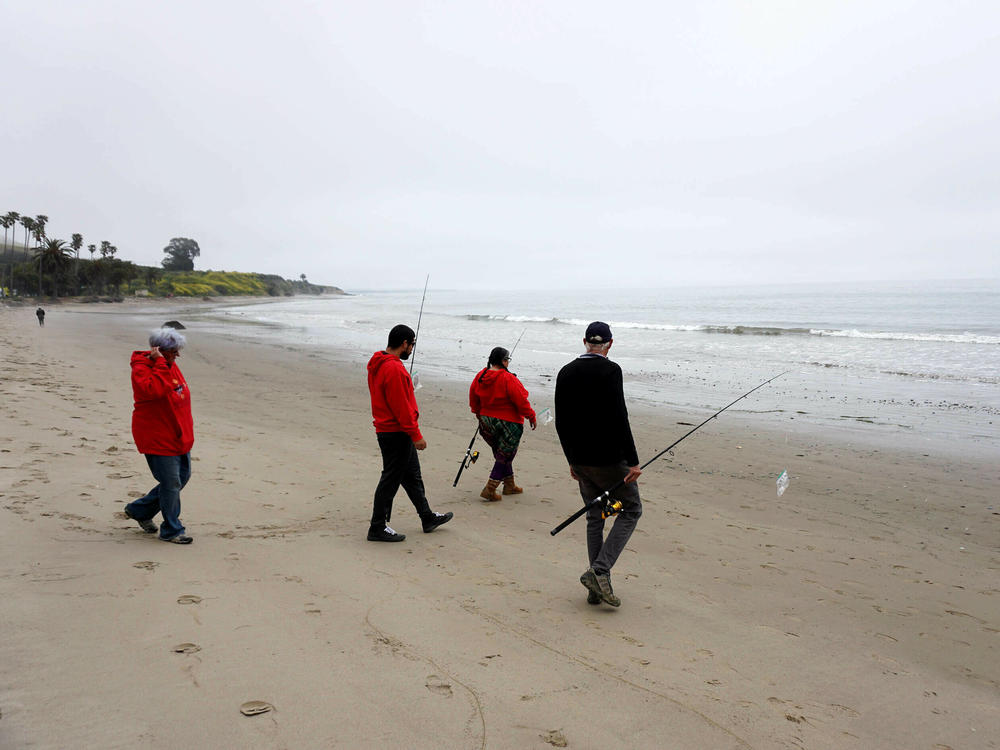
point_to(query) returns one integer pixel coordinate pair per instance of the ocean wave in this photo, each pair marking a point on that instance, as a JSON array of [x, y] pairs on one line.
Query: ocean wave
[[953, 338], [752, 330], [579, 322]]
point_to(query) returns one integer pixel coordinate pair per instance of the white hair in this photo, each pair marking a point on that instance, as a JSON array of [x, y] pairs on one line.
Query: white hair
[[167, 338], [598, 348]]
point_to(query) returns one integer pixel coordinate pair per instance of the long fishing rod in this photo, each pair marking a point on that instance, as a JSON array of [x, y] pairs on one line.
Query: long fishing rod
[[611, 508], [421, 315], [470, 455]]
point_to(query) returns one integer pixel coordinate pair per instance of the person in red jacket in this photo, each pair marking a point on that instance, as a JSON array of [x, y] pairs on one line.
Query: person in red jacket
[[163, 431], [396, 420], [500, 402]]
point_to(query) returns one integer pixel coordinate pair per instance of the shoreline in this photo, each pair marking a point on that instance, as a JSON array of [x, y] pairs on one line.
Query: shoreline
[[859, 609], [794, 404]]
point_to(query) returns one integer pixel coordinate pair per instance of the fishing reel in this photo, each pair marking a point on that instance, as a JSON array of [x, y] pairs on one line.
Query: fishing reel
[[611, 508], [470, 458]]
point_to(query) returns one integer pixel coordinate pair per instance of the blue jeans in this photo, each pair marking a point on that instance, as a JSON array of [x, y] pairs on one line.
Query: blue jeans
[[172, 473]]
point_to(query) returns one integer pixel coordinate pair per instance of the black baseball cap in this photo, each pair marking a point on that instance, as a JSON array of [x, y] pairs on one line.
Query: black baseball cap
[[598, 333]]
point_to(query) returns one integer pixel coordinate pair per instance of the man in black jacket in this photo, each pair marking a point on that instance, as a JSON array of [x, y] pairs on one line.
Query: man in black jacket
[[592, 422]]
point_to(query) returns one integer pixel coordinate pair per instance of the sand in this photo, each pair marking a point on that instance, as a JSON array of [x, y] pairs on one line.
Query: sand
[[861, 609]]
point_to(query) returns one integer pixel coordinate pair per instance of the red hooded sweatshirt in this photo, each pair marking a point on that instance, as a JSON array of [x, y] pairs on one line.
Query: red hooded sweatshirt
[[498, 393], [161, 420], [394, 406]]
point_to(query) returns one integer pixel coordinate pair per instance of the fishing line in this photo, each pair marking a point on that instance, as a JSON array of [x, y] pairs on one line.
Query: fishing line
[[611, 508], [419, 318]]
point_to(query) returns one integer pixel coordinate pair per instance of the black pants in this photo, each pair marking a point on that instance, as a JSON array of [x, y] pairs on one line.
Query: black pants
[[400, 466]]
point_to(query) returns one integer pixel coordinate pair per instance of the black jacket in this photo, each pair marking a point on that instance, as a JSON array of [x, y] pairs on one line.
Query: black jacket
[[591, 417]]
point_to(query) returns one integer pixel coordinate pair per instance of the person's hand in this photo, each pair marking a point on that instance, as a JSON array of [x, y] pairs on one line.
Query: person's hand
[[533, 423], [633, 474], [154, 353], [420, 444], [573, 474]]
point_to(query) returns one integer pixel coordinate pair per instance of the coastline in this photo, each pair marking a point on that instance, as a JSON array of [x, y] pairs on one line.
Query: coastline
[[858, 609]]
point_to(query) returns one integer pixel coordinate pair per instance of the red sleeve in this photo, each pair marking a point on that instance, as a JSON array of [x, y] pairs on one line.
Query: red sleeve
[[401, 402], [518, 395], [474, 402], [148, 377]]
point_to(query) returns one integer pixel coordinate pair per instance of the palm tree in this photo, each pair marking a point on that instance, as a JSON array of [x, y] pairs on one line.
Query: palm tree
[[105, 249], [76, 245], [28, 223], [56, 256], [89, 273], [11, 219], [38, 231]]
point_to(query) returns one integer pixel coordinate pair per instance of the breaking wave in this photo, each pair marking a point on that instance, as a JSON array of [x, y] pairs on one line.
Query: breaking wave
[[752, 330]]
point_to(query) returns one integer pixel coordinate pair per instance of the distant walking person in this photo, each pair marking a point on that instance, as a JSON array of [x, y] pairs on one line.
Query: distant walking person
[[164, 431], [501, 405], [395, 416], [40, 314], [593, 427]]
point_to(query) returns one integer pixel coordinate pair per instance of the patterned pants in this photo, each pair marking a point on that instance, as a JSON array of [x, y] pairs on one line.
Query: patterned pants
[[503, 437]]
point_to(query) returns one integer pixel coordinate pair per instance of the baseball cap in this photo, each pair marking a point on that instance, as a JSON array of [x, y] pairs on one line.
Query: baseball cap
[[598, 333]]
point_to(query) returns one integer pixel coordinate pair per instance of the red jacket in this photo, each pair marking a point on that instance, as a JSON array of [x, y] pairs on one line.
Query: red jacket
[[498, 393], [161, 420], [394, 406]]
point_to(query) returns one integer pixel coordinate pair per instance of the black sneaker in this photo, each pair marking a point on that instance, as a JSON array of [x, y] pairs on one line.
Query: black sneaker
[[148, 526], [593, 598], [434, 520], [385, 535]]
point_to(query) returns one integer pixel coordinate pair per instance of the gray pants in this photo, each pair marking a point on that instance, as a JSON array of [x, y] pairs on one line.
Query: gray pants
[[594, 480]]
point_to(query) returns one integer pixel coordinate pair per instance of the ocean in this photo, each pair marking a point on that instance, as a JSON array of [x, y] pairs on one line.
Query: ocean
[[914, 365]]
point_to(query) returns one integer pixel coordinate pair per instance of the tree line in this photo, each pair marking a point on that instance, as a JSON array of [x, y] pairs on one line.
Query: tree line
[[57, 265]]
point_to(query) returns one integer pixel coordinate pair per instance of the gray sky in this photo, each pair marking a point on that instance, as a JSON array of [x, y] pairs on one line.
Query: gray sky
[[517, 144]]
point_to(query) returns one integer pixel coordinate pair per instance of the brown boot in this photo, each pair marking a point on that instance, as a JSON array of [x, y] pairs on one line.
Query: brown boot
[[490, 491], [509, 488]]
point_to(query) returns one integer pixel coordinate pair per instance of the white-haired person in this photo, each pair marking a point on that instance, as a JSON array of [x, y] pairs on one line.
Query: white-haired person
[[163, 431]]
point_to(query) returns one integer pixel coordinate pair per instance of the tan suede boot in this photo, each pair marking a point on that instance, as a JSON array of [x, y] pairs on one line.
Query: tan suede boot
[[509, 488], [490, 491]]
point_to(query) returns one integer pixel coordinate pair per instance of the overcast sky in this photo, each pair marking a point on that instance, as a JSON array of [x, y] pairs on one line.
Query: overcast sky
[[513, 144]]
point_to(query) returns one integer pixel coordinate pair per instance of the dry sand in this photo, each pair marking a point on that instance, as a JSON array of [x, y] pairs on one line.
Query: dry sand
[[859, 610]]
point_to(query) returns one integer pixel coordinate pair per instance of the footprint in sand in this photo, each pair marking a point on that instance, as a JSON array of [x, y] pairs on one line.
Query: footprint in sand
[[254, 708], [145, 564], [188, 599], [436, 685], [555, 738], [186, 648]]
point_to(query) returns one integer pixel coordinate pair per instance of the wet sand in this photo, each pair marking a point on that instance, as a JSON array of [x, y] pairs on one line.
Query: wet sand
[[860, 609]]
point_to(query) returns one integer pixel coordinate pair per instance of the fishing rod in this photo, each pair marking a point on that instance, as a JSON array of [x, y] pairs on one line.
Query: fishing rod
[[472, 456], [613, 507], [421, 315]]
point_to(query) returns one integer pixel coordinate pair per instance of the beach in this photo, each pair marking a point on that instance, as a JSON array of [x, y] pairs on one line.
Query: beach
[[859, 609]]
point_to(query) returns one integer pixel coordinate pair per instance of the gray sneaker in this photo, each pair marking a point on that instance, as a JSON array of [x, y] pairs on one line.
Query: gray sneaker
[[146, 525], [600, 584]]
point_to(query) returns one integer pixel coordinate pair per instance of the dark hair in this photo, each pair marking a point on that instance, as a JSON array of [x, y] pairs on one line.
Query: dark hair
[[399, 335], [497, 356]]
